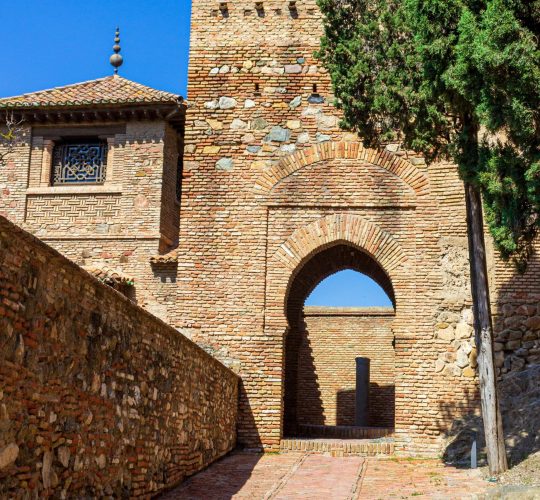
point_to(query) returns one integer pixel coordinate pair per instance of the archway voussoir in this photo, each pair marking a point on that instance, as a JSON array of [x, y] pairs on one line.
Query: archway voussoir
[[346, 150]]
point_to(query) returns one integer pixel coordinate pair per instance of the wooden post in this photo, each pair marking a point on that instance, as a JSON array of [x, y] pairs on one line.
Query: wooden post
[[483, 329]]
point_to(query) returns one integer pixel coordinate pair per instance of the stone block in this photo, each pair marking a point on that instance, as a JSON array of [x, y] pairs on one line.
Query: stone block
[[226, 164], [8, 455], [295, 102], [463, 331], [226, 102], [446, 333], [278, 134], [533, 323]]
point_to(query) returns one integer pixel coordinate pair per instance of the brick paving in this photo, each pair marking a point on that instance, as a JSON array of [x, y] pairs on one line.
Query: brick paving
[[309, 476]]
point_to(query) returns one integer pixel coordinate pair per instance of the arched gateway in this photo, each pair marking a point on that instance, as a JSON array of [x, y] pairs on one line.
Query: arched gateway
[[276, 196], [346, 238]]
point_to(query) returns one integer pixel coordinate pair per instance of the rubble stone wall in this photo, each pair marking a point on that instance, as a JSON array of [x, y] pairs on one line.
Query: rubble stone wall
[[98, 397]]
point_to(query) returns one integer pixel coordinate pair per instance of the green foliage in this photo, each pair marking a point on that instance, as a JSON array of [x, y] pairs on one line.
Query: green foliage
[[456, 79]]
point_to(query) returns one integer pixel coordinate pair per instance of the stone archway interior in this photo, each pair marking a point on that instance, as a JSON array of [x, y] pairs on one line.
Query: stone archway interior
[[322, 344]]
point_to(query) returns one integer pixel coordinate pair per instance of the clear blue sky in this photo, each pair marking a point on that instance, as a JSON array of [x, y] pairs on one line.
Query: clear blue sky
[[348, 289], [49, 43]]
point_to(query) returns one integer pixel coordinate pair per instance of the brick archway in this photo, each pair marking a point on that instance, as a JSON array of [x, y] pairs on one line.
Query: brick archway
[[342, 150], [336, 228], [321, 345], [349, 230]]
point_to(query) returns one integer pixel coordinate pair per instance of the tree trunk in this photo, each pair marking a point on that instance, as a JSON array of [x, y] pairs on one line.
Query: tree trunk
[[483, 329]]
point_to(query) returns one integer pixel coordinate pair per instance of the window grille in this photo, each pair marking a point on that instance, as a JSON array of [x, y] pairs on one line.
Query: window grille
[[79, 163]]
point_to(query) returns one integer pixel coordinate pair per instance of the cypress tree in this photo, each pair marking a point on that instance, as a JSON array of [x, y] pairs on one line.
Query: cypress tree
[[458, 80]]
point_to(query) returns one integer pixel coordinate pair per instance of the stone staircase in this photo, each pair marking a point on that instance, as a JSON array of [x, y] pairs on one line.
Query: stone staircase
[[340, 441]]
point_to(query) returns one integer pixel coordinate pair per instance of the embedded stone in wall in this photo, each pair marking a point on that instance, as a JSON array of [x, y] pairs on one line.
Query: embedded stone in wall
[[227, 102], [278, 134], [8, 455], [238, 124], [259, 124], [225, 164], [322, 137], [455, 270], [296, 102]]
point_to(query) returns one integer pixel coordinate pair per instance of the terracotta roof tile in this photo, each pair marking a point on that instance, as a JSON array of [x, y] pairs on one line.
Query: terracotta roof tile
[[109, 276], [108, 90], [167, 258]]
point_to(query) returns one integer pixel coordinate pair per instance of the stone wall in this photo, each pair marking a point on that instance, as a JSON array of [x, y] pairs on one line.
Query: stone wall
[[332, 339], [517, 334], [97, 397]]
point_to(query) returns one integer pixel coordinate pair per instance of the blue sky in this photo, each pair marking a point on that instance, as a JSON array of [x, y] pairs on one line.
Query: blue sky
[[348, 289], [50, 43]]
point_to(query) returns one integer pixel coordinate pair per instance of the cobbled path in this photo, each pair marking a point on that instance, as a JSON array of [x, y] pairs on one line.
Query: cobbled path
[[301, 476]]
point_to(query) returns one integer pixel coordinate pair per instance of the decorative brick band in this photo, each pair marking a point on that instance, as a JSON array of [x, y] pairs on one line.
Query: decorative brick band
[[342, 150], [335, 228]]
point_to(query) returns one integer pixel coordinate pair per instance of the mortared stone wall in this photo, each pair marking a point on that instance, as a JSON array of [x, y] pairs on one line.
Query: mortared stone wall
[[97, 397]]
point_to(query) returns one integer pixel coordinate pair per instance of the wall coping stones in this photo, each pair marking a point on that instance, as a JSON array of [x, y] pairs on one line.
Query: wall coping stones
[[348, 311]]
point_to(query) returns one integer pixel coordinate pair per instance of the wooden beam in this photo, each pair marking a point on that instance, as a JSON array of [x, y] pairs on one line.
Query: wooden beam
[[483, 329]]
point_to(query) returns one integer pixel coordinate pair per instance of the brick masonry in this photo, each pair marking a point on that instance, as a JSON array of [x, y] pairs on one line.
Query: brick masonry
[[331, 340], [120, 224], [273, 183], [97, 397], [276, 197]]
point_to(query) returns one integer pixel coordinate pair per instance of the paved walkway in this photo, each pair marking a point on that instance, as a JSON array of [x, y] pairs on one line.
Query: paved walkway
[[316, 477]]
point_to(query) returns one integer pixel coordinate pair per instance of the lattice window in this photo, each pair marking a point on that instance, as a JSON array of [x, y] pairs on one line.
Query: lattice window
[[79, 162]]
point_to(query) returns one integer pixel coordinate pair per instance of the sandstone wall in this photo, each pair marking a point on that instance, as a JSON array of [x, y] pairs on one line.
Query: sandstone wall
[[97, 397], [331, 340]]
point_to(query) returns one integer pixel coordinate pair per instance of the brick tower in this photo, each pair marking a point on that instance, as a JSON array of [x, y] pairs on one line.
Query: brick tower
[[276, 198]]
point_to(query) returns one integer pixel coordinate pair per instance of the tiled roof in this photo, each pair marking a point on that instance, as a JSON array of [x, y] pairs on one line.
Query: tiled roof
[[109, 90], [167, 258], [109, 276]]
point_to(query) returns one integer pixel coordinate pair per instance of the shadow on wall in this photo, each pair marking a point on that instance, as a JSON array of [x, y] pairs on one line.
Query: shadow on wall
[[345, 407], [381, 406], [248, 431], [309, 408], [520, 406]]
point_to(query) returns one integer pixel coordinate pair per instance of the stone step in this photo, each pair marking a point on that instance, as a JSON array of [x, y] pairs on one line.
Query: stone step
[[339, 447], [343, 432]]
